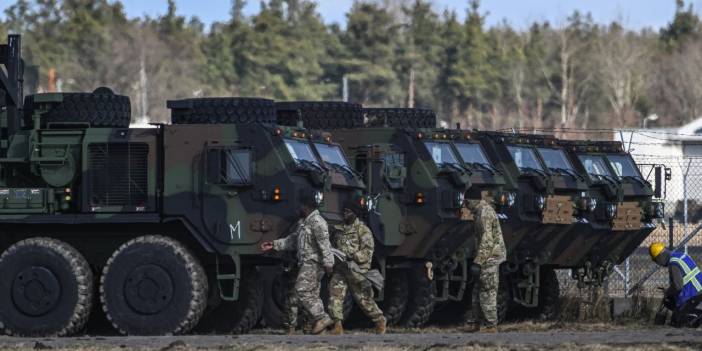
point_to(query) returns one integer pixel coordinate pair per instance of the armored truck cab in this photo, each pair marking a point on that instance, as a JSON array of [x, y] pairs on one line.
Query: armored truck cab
[[625, 211]]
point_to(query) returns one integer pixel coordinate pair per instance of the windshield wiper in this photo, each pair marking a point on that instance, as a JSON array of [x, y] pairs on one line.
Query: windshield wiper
[[532, 170], [564, 170], [310, 164], [487, 167], [345, 168], [638, 179]]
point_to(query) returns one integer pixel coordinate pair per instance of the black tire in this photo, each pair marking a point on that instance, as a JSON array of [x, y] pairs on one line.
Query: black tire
[[101, 108], [549, 295], [275, 287], [222, 110], [400, 117], [53, 269], [320, 114], [237, 317], [504, 299], [394, 303], [420, 301], [162, 268]]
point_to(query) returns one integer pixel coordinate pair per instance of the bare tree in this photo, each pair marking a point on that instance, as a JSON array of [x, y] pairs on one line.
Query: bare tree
[[623, 61]]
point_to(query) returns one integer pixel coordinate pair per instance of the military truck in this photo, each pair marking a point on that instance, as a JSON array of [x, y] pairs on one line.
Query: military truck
[[625, 212], [547, 225], [417, 184], [161, 224]]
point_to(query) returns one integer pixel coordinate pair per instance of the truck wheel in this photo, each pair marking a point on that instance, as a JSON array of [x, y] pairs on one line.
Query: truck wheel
[[396, 295], [101, 108], [239, 316], [46, 289], [222, 110], [420, 302], [275, 289], [400, 117], [153, 285], [549, 295], [321, 114]]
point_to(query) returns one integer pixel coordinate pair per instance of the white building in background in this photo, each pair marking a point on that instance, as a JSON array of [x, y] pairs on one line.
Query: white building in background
[[680, 149]]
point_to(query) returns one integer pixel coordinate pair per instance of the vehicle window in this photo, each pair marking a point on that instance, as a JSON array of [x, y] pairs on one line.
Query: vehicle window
[[300, 151], [441, 153], [623, 165], [555, 158], [472, 153], [331, 154], [524, 157], [595, 165], [230, 166]]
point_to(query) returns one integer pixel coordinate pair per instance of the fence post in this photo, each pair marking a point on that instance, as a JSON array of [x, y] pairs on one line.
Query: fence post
[[687, 170], [671, 243]]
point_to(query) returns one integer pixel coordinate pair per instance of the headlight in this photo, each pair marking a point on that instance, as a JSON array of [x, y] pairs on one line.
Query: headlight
[[592, 204], [540, 202], [611, 210], [460, 197], [318, 197]]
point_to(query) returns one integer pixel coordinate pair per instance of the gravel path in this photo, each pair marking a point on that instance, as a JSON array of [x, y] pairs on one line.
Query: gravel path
[[675, 339]]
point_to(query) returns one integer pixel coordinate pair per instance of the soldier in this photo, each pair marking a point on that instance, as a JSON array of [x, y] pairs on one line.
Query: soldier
[[490, 253], [355, 241], [314, 257]]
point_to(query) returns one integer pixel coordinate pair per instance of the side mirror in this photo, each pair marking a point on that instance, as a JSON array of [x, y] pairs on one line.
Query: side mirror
[[657, 182]]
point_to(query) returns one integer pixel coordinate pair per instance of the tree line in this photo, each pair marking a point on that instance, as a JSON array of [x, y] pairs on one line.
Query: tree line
[[573, 74]]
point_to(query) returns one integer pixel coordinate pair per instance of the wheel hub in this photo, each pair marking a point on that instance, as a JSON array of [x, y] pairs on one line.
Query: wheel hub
[[35, 291], [148, 289]]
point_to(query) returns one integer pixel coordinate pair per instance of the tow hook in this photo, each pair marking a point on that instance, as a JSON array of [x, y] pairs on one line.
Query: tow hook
[[430, 271]]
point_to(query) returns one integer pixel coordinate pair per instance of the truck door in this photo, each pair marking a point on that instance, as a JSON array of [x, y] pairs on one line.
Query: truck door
[[230, 209]]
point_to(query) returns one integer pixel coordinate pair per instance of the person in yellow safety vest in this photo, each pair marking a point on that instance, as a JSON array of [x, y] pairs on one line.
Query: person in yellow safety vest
[[685, 291]]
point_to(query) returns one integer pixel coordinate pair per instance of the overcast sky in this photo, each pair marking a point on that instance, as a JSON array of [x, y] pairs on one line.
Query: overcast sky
[[634, 14]]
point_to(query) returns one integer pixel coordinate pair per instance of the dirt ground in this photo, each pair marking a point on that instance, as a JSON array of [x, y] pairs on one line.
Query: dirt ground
[[519, 336]]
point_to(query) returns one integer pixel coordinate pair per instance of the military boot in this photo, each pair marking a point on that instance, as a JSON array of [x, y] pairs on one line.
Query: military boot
[[338, 328], [322, 324], [381, 326], [290, 331], [471, 327], [489, 329]]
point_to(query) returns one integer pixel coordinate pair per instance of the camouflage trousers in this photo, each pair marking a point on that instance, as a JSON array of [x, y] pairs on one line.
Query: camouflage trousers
[[305, 294], [291, 310], [343, 280], [485, 291]]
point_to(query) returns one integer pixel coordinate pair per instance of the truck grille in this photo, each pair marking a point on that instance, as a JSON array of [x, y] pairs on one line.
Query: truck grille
[[118, 174]]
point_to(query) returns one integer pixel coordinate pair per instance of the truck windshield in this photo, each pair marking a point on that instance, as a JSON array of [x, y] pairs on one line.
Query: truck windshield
[[555, 159], [441, 153], [301, 151], [595, 165], [623, 165], [331, 154], [525, 158], [472, 153]]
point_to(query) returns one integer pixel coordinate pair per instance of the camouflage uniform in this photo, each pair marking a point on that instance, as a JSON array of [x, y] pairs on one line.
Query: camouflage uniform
[[311, 241], [491, 252], [356, 241]]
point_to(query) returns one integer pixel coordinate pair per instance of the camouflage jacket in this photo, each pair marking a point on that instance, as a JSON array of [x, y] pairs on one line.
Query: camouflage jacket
[[311, 240], [490, 245], [356, 241]]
